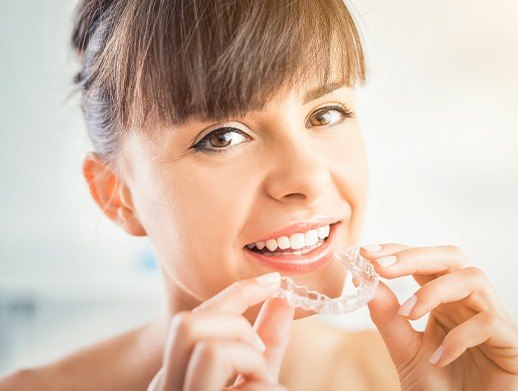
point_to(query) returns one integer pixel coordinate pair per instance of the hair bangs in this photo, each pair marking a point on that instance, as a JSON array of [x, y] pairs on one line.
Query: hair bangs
[[219, 59], [159, 63]]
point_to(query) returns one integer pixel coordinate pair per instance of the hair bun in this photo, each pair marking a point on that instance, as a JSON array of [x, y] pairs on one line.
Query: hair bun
[[87, 18]]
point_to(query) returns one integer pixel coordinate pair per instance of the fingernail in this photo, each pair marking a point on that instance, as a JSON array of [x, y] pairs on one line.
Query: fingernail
[[268, 278], [387, 261], [434, 358], [259, 343], [372, 248], [407, 306]]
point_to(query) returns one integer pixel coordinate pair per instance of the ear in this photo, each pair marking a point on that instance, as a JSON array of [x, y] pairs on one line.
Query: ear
[[111, 194]]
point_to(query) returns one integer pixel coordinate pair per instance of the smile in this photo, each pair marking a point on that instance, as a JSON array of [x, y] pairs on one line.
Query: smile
[[304, 241], [306, 256]]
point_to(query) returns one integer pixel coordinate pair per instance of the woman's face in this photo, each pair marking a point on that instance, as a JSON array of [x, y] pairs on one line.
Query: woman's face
[[288, 163]]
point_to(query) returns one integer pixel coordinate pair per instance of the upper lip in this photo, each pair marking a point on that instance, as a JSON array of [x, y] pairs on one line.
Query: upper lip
[[302, 226]]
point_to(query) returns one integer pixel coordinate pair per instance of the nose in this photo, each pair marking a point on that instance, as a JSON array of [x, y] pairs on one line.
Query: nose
[[299, 172]]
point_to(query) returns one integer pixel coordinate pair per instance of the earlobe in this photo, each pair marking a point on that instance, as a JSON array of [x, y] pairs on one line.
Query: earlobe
[[111, 194]]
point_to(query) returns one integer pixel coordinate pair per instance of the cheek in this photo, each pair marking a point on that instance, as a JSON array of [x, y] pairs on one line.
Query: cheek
[[194, 213], [194, 218], [349, 163]]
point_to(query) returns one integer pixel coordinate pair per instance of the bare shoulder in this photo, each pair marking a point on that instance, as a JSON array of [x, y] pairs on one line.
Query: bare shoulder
[[19, 380], [109, 364]]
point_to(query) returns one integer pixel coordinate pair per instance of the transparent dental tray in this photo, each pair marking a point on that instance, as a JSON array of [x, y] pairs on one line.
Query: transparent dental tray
[[362, 272]]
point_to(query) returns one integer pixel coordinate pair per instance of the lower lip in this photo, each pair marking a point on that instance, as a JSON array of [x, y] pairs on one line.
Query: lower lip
[[299, 263]]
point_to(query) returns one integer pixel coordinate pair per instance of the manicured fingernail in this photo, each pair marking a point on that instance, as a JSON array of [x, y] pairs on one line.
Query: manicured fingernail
[[407, 306], [268, 278], [387, 261], [434, 358], [372, 248], [259, 343]]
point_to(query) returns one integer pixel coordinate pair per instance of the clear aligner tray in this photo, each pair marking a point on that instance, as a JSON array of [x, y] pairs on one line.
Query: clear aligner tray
[[361, 270]]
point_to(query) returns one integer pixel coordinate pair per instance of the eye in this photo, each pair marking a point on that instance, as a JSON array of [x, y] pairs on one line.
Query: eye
[[220, 140], [330, 115]]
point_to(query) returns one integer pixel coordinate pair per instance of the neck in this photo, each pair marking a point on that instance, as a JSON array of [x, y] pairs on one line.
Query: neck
[[153, 337]]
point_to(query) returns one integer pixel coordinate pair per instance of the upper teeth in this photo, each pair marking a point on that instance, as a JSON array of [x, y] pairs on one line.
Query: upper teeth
[[295, 241]]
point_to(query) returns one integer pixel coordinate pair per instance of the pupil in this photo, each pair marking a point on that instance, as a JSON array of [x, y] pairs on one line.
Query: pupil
[[223, 139], [323, 117]]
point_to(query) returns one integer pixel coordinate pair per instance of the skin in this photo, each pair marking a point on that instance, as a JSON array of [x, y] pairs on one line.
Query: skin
[[465, 314], [199, 210], [289, 169], [292, 171], [178, 197]]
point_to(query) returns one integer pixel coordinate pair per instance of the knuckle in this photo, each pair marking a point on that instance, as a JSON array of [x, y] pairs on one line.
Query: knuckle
[[456, 250], [490, 319], [453, 248], [182, 323], [476, 273], [238, 286]]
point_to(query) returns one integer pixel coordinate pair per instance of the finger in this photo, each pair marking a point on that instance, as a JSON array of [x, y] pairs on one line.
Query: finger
[[469, 284], [419, 261], [401, 339], [374, 251], [239, 296], [377, 251], [156, 383], [213, 362], [273, 324], [188, 327], [484, 327]]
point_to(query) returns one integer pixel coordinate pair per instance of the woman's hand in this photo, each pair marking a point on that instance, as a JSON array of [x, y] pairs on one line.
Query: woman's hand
[[465, 313], [212, 344]]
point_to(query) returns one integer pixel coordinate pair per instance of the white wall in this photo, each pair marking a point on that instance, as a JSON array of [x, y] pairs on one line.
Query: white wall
[[439, 120]]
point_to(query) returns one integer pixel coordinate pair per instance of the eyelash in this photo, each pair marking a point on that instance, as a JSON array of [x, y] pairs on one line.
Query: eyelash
[[346, 112]]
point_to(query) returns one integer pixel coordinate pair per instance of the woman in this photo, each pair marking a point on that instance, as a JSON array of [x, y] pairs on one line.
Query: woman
[[222, 124]]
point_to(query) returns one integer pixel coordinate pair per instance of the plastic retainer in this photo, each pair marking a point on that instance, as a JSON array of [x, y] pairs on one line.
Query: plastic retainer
[[361, 270]]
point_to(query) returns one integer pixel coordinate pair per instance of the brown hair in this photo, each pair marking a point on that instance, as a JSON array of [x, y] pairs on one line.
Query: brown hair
[[148, 63]]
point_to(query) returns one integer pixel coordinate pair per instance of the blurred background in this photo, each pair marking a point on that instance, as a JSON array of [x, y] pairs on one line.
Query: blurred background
[[441, 127]]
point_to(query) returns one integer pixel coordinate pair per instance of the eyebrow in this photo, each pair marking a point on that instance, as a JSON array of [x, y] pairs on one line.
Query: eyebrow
[[320, 91]]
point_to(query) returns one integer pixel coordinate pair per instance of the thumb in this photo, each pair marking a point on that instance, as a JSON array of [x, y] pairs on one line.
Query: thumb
[[401, 339], [273, 324]]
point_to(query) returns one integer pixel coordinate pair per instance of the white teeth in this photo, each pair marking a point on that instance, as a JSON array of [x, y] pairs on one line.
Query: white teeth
[[327, 230], [311, 238], [296, 241], [271, 244], [323, 232], [283, 242]]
